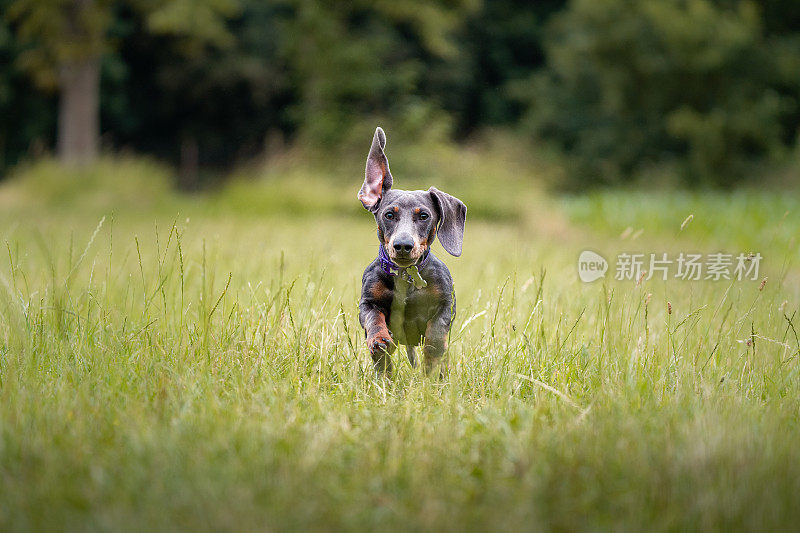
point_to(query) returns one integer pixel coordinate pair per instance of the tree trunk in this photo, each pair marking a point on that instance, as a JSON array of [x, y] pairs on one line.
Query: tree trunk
[[79, 109]]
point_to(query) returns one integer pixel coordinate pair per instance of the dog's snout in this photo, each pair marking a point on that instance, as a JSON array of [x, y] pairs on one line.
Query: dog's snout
[[403, 244]]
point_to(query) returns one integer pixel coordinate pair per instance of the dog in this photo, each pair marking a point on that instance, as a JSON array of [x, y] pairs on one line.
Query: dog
[[407, 294]]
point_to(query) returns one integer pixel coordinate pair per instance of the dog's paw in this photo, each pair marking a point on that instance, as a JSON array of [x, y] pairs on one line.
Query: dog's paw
[[379, 342]]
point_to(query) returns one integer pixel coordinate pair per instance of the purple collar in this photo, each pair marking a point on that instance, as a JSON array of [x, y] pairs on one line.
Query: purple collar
[[392, 269]]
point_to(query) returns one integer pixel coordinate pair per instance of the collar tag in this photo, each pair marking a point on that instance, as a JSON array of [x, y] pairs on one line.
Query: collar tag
[[413, 274]]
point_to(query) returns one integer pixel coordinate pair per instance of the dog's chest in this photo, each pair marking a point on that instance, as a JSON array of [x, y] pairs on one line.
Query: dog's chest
[[398, 314], [405, 325]]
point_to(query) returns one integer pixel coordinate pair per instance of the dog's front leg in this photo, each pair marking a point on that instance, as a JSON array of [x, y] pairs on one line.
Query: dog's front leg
[[379, 340], [436, 335]]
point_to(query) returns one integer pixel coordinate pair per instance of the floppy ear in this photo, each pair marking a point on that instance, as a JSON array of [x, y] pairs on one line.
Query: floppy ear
[[377, 178], [452, 217]]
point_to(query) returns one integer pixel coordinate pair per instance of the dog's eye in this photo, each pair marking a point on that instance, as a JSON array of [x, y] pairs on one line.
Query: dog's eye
[[389, 215], [423, 216]]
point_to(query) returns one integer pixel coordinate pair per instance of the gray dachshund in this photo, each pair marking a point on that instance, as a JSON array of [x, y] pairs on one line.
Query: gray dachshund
[[407, 294]]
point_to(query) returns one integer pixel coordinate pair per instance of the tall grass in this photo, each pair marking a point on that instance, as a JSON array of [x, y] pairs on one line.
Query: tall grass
[[190, 364]]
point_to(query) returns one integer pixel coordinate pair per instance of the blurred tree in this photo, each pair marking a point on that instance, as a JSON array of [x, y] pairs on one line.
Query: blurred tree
[[27, 117], [781, 23], [634, 84], [190, 35], [67, 39], [500, 44], [704, 86], [354, 59], [208, 105]]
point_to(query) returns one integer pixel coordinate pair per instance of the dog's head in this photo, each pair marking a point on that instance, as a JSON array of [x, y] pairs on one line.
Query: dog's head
[[409, 221]]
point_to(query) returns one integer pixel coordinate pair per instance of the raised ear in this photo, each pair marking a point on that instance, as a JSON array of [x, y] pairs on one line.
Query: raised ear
[[452, 217], [377, 178]]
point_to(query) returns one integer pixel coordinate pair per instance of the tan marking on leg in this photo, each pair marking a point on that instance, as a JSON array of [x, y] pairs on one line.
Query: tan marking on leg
[[379, 332], [379, 291]]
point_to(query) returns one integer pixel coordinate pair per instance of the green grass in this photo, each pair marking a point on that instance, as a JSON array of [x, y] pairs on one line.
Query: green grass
[[196, 362]]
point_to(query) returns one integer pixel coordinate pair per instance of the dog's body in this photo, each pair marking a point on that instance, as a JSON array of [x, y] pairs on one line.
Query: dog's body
[[407, 294]]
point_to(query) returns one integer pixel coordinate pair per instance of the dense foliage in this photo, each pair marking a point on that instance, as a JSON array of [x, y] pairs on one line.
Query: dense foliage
[[708, 86], [703, 88]]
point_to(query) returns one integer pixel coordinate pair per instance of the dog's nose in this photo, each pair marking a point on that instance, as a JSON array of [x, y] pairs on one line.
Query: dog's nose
[[403, 244]]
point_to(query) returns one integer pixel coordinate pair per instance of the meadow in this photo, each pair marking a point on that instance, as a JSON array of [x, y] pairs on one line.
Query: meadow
[[195, 361]]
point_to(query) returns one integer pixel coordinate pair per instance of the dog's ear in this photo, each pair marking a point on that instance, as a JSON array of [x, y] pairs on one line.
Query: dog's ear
[[377, 178], [452, 217]]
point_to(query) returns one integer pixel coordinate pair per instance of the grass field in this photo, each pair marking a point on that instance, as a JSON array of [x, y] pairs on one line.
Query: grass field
[[196, 362]]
